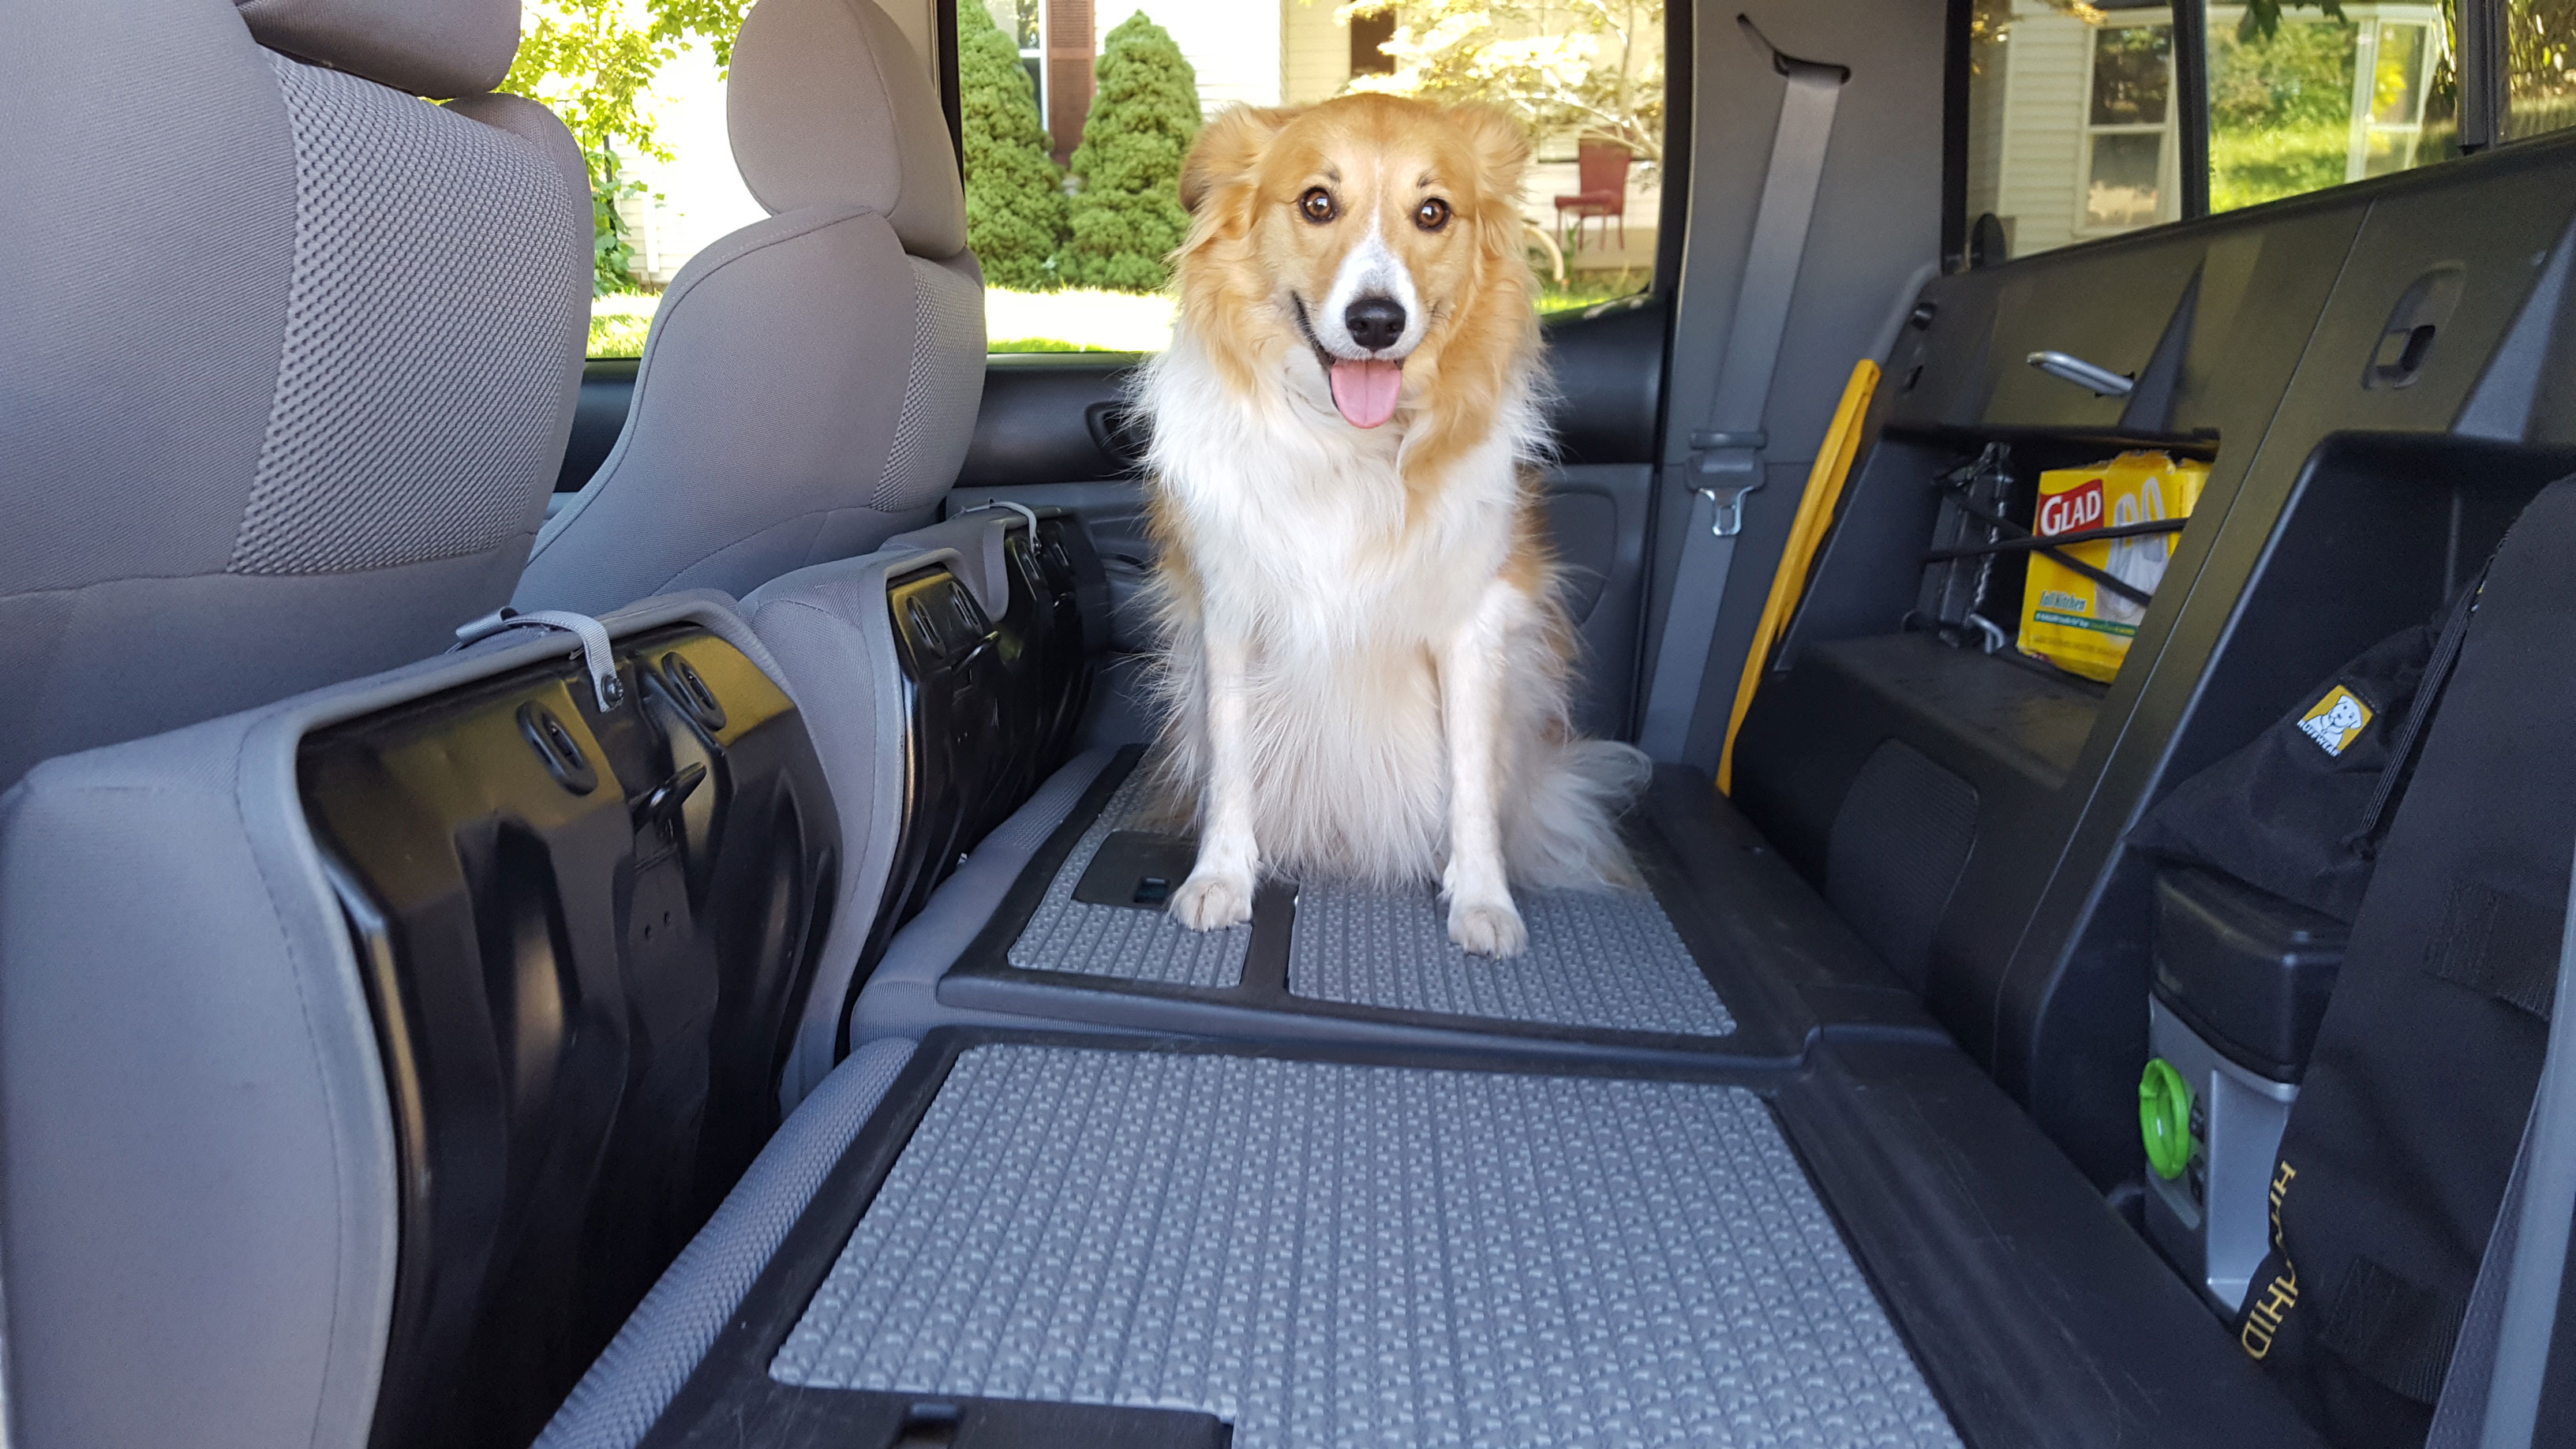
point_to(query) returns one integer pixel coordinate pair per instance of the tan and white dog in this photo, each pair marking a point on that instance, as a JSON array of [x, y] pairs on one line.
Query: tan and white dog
[[1366, 657]]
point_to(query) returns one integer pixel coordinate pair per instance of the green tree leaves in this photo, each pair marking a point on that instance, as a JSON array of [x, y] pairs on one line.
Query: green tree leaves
[[1015, 207], [1127, 219], [1593, 66], [591, 63]]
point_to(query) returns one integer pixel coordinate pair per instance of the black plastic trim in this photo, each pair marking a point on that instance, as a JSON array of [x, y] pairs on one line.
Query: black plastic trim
[[1680, 119], [2191, 102], [1957, 73], [585, 937]]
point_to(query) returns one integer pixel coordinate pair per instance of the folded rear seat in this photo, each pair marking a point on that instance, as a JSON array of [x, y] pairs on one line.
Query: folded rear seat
[[968, 644], [1727, 957], [945, 676], [365, 1058], [1034, 1238]]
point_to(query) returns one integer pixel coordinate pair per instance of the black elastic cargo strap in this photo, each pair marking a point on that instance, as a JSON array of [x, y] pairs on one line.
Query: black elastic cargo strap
[[2392, 1328], [1726, 456], [2053, 548], [2491, 1398], [2428, 693], [2498, 944]]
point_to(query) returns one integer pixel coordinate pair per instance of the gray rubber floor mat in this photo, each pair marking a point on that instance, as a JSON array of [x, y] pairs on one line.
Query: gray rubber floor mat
[[1120, 941], [1595, 959], [1330, 1256]]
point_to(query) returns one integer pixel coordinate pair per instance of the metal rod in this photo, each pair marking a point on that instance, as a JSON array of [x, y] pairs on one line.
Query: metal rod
[[2113, 582], [2059, 540]]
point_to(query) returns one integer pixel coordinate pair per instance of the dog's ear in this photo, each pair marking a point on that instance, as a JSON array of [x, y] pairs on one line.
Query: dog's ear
[[1501, 145], [1227, 151]]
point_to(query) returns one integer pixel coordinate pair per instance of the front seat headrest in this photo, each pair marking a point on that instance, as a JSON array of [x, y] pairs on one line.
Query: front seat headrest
[[830, 105], [435, 48]]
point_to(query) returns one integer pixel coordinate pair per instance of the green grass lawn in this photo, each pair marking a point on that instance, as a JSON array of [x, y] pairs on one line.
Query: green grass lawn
[[1068, 321], [618, 322], [1588, 289], [2248, 166]]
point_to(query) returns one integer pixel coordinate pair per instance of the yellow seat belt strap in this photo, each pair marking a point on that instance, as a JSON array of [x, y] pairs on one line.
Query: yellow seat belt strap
[[1798, 556]]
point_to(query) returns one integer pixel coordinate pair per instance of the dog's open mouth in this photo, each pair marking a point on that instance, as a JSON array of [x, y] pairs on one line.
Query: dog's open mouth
[[1364, 391]]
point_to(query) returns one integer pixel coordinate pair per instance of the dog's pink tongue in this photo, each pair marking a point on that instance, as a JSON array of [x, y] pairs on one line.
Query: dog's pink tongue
[[1365, 391]]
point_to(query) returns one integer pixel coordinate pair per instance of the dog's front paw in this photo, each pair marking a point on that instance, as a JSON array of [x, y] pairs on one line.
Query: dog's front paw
[[1487, 928], [1211, 900]]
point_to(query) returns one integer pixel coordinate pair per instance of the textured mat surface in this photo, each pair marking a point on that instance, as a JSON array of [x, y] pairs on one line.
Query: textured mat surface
[[1336, 1256], [1120, 941], [1594, 959]]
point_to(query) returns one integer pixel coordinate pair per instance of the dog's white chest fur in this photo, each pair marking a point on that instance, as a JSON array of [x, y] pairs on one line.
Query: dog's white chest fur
[[1298, 527], [1327, 614]]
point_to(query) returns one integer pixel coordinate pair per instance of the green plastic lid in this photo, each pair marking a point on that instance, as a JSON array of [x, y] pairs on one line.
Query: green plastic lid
[[2164, 1118]]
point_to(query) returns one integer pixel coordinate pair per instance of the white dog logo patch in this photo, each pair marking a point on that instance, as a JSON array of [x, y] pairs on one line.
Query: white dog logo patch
[[2337, 720]]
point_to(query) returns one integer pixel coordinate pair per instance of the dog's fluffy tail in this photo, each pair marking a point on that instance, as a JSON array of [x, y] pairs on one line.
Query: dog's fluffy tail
[[1563, 830]]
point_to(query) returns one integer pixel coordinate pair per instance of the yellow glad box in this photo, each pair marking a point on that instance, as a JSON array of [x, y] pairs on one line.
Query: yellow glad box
[[2073, 621]]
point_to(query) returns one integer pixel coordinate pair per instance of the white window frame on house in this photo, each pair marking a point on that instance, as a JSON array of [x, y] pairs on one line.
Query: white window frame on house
[[2407, 132], [2168, 163]]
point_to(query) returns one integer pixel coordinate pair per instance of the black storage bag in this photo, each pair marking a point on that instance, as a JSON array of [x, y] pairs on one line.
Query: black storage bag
[[2397, 1153], [2298, 811]]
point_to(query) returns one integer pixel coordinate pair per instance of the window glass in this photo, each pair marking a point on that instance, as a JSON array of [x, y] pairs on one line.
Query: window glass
[[1075, 114], [2540, 67], [2071, 120], [2073, 131], [2300, 100], [1072, 178], [2128, 128]]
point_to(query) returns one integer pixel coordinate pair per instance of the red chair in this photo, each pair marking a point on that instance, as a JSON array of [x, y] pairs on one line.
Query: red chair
[[1601, 173]]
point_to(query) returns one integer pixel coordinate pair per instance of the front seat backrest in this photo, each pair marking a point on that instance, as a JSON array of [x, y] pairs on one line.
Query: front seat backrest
[[290, 354], [810, 381]]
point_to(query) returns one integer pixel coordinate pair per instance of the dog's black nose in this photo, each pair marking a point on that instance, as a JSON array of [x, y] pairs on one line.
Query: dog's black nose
[[1375, 322]]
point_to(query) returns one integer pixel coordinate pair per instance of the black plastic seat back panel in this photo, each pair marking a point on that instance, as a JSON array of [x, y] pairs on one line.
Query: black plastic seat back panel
[[993, 705], [585, 937]]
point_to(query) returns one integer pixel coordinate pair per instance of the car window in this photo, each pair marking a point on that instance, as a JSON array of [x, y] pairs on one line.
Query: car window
[[2075, 130], [640, 83], [2300, 100], [2071, 120], [2540, 67], [1074, 117]]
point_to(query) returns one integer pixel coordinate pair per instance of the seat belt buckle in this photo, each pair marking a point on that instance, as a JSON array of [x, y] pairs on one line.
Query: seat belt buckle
[[1730, 465]]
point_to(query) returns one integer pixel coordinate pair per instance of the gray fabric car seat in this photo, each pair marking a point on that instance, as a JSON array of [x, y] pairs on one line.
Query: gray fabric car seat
[[810, 381], [290, 354]]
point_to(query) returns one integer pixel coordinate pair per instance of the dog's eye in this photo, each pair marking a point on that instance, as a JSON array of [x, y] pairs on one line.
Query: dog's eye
[[1317, 205], [1432, 214]]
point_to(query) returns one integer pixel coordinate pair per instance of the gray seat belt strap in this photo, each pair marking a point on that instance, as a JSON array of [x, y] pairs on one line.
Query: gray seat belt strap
[[596, 653], [1726, 456], [2491, 1394]]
